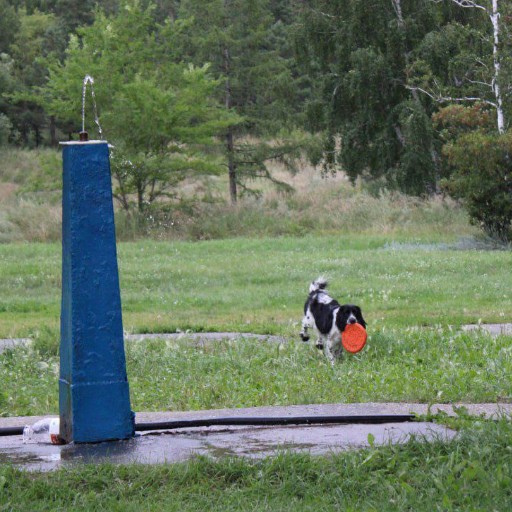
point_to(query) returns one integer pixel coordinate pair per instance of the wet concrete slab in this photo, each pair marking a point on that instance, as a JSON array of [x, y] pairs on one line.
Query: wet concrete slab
[[255, 442], [182, 444]]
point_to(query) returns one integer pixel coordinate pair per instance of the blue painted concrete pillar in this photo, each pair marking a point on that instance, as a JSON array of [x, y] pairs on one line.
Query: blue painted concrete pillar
[[94, 399]]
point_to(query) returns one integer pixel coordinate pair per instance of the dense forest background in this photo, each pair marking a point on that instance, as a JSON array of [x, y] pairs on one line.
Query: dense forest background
[[406, 95]]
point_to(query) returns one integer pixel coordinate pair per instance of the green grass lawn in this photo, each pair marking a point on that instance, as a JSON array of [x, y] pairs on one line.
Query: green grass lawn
[[419, 366], [414, 294], [259, 285]]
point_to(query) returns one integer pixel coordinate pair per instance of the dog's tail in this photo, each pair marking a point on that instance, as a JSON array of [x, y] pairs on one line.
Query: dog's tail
[[318, 284]]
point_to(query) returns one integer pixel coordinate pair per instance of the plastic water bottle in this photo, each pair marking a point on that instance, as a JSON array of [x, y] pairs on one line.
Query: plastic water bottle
[[43, 431]]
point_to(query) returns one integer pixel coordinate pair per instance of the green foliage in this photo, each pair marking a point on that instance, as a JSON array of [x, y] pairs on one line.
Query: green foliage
[[158, 113], [27, 72], [455, 120], [416, 171], [9, 25], [483, 180], [457, 62], [77, 14], [357, 53], [5, 129]]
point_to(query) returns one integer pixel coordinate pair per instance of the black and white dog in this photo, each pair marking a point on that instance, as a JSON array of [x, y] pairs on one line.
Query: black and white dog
[[328, 318]]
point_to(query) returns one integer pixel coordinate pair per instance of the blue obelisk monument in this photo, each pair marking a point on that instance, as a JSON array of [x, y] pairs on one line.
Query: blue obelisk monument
[[94, 398]]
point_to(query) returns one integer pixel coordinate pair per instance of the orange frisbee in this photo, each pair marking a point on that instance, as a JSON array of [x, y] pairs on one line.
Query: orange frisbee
[[353, 338]]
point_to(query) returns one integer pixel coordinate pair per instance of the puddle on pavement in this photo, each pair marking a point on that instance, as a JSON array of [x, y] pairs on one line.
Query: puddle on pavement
[[176, 446]]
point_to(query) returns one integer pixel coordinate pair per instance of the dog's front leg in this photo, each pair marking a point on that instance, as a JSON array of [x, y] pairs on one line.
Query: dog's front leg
[[321, 342], [328, 353], [331, 349], [306, 324]]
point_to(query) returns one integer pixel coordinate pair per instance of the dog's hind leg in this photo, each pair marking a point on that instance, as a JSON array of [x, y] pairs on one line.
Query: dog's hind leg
[[321, 342]]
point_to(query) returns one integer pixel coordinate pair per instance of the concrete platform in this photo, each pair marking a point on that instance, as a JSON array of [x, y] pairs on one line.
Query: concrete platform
[[178, 445]]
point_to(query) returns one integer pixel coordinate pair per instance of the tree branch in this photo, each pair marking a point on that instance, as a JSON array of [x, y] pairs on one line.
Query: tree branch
[[324, 14], [448, 99], [465, 3], [478, 82], [398, 11]]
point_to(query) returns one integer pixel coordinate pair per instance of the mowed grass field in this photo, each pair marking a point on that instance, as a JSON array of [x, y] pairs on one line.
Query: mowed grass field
[[414, 296], [259, 285]]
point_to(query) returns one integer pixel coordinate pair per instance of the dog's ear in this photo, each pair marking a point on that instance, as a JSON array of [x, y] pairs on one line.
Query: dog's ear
[[359, 316], [341, 318]]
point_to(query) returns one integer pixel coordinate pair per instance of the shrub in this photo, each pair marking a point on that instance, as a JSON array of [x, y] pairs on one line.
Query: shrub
[[483, 180]]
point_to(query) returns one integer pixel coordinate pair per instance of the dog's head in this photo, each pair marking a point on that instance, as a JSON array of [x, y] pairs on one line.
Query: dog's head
[[349, 314]]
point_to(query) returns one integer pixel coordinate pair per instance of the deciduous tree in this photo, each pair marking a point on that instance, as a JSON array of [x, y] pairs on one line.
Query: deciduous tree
[[159, 113], [475, 56], [357, 55]]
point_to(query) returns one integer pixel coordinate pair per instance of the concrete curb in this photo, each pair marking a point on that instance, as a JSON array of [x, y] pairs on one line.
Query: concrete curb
[[198, 337], [205, 336], [492, 329], [486, 410]]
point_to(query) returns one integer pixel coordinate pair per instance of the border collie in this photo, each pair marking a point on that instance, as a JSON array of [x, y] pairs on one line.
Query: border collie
[[328, 318]]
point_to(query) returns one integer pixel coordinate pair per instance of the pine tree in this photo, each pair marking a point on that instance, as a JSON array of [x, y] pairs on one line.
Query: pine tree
[[241, 40]]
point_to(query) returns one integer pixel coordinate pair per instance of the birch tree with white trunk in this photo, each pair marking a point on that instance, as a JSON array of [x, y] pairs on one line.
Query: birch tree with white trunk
[[492, 11]]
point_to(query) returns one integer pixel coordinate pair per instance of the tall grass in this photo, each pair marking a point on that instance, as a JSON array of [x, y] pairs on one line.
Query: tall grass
[[318, 206], [324, 211], [27, 220], [30, 210]]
